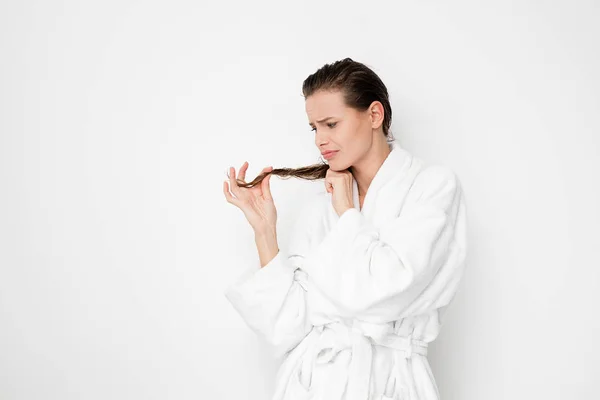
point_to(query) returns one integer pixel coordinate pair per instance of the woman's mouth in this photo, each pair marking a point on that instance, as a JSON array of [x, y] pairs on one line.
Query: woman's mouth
[[329, 154]]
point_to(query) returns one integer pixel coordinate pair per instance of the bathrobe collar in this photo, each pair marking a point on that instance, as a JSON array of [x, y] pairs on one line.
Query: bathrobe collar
[[394, 166]]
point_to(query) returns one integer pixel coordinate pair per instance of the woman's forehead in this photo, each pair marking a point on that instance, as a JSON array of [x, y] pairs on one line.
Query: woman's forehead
[[322, 104]]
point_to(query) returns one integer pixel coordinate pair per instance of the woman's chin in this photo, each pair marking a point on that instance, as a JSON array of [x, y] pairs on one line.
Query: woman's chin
[[334, 166]]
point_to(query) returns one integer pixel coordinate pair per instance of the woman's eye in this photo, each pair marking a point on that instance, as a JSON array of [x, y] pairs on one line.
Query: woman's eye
[[331, 125]]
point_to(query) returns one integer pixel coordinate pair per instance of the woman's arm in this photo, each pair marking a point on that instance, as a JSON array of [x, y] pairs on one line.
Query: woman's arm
[[271, 298], [377, 274], [266, 243]]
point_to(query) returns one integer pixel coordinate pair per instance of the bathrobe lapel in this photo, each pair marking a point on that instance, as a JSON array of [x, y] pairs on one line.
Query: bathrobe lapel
[[388, 189]]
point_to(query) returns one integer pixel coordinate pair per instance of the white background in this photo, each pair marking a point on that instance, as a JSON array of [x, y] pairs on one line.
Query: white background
[[119, 120]]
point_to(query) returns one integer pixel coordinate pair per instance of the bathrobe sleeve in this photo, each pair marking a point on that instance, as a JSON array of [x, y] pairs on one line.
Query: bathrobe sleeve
[[409, 265], [271, 299]]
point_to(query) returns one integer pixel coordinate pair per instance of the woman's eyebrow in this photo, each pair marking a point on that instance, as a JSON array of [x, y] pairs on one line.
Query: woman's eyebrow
[[321, 120]]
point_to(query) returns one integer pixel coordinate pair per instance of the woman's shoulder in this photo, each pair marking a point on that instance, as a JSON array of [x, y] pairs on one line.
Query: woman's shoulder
[[434, 180], [435, 174]]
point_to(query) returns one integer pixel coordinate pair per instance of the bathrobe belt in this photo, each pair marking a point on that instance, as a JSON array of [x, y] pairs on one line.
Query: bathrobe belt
[[359, 338]]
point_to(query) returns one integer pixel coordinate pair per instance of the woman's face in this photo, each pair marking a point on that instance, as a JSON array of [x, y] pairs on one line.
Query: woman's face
[[345, 130]]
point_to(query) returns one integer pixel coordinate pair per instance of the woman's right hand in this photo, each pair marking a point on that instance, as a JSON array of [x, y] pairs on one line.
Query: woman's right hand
[[256, 202]]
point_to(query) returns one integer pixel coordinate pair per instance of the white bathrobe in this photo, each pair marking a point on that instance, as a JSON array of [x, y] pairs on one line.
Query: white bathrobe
[[352, 304]]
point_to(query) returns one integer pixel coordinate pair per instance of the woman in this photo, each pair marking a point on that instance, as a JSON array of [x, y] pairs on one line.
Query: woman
[[373, 261]]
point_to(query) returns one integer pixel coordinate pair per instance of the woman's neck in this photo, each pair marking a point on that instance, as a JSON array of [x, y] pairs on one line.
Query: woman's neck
[[365, 170]]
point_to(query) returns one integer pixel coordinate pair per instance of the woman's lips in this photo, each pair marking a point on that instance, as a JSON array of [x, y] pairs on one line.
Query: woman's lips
[[329, 154]]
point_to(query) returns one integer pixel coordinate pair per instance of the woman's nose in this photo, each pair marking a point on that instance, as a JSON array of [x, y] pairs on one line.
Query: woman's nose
[[320, 139]]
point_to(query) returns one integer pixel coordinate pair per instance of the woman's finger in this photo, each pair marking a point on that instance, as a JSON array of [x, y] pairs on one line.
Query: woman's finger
[[257, 190], [234, 188], [242, 172], [265, 186], [228, 196]]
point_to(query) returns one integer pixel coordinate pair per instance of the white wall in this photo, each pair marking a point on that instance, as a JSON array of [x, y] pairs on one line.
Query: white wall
[[118, 122]]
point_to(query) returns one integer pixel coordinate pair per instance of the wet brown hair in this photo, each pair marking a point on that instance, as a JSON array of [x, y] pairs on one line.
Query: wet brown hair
[[360, 87]]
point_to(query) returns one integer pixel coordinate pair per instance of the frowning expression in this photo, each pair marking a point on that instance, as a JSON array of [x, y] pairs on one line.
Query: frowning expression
[[339, 128]]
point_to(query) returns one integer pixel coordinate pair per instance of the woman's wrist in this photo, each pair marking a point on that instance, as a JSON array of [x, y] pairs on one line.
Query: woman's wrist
[[266, 243]]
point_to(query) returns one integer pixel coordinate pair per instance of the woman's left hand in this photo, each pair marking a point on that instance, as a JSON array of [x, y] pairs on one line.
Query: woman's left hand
[[339, 183]]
